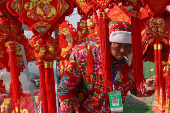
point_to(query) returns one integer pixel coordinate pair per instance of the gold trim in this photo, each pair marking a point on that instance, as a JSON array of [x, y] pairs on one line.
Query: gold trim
[[167, 68], [46, 65], [88, 46], [136, 14], [99, 14], [51, 64], [155, 46], [159, 46]]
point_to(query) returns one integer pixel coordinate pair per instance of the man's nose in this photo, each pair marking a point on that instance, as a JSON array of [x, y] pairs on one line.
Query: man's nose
[[122, 49]]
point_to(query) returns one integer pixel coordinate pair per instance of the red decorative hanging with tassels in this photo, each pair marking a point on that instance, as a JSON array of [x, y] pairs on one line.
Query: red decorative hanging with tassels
[[136, 41], [105, 49]]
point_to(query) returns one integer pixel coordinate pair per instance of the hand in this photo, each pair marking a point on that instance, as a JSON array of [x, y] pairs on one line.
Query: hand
[[150, 84]]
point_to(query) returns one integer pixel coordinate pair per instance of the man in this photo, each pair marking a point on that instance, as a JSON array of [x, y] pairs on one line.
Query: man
[[85, 93]]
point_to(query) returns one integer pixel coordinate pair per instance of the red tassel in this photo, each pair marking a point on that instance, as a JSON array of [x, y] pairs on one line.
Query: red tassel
[[137, 48], [156, 73], [43, 89], [105, 50], [168, 91], [50, 87], [162, 103], [90, 68], [14, 75], [52, 81]]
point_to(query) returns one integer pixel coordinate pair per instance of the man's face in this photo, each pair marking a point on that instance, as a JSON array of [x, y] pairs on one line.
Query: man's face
[[119, 50]]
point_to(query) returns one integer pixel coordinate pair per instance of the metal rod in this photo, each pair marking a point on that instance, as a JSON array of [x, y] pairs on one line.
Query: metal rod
[[144, 69], [149, 70], [56, 77], [28, 78], [56, 85]]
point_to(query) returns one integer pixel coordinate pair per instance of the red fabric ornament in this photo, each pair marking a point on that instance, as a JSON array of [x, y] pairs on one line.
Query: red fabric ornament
[[87, 29], [66, 37], [42, 16], [45, 48], [156, 6]]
